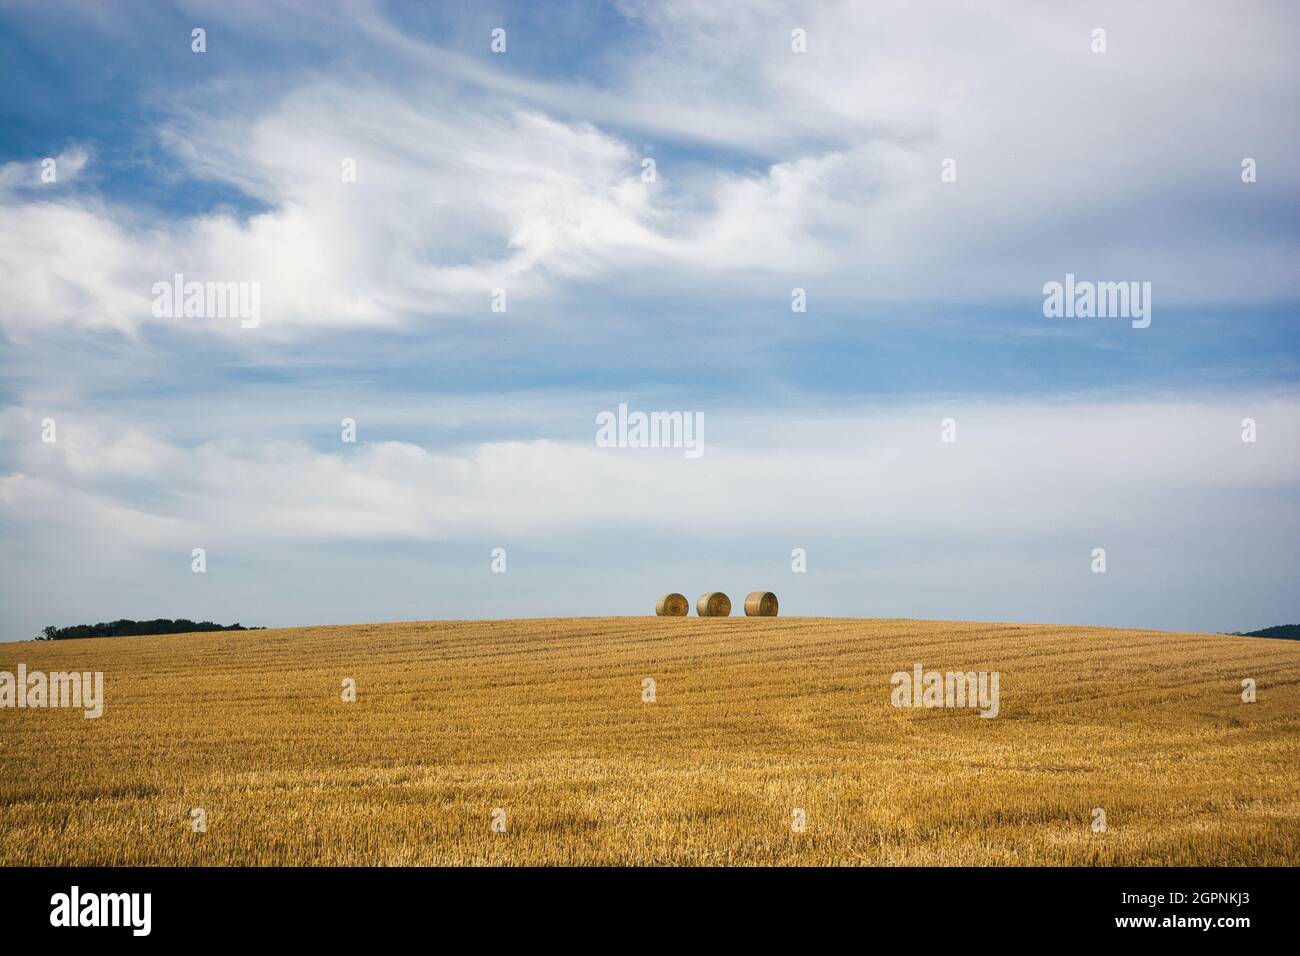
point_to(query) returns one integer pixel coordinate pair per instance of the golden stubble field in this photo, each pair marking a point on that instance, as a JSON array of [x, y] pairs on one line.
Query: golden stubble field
[[545, 720]]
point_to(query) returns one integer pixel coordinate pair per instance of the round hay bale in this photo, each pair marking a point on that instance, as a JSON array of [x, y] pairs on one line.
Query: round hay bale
[[761, 604], [713, 604], [673, 605]]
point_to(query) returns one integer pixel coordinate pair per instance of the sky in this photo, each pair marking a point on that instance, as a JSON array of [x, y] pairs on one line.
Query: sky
[[474, 253]]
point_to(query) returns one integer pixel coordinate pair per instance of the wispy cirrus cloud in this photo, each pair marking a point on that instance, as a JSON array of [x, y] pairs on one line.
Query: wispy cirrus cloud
[[480, 177]]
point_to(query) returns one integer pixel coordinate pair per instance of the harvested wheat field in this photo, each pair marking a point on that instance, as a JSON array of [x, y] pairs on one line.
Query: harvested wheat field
[[751, 719]]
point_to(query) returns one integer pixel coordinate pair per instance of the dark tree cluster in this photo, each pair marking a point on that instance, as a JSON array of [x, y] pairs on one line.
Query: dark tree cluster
[[126, 628], [1290, 632]]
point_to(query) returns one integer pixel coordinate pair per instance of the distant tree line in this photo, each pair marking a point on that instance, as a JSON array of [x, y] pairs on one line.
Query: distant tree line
[[1290, 632], [128, 628]]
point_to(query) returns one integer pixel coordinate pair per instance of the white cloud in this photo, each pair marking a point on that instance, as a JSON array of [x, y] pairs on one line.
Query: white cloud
[[470, 177], [1014, 471], [1000, 525], [33, 175], [444, 210]]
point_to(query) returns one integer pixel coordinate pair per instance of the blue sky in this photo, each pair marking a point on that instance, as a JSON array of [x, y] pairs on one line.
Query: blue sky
[[523, 170]]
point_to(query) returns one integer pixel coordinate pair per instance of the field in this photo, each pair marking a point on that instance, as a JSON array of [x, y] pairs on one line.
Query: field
[[752, 718]]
